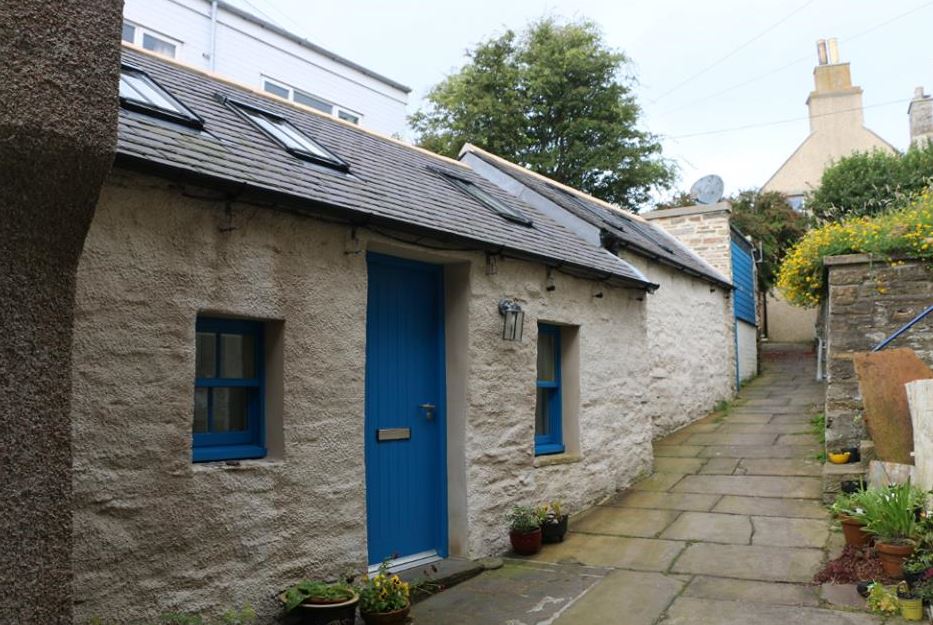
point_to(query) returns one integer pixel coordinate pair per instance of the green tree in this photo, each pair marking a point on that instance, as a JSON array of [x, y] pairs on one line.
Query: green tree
[[767, 218], [869, 183], [555, 99]]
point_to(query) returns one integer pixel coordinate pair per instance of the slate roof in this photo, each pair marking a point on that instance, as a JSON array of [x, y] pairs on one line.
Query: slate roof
[[390, 183], [625, 229]]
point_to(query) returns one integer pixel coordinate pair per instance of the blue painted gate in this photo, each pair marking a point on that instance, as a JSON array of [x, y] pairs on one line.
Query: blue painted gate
[[406, 501]]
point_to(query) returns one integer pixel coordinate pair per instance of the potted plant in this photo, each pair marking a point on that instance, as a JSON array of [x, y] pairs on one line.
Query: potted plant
[[851, 516], [881, 599], [911, 603], [890, 516], [525, 529], [918, 568], [555, 523], [384, 598], [322, 603]]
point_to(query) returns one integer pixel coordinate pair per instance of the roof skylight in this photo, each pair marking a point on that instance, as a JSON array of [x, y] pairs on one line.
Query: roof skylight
[[289, 137], [139, 92], [489, 201]]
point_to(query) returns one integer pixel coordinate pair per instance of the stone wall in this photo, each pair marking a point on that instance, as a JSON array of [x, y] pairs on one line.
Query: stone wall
[[867, 300], [705, 229], [154, 532]]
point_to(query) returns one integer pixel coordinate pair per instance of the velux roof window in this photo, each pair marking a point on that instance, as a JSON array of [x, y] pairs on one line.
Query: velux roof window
[[139, 92], [497, 206], [289, 137]]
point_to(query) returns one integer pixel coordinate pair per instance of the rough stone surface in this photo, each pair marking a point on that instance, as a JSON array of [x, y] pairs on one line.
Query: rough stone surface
[[58, 128]]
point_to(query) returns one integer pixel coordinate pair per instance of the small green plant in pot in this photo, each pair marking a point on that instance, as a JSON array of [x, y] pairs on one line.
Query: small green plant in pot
[[882, 600], [554, 526], [851, 514], [890, 514], [322, 603], [525, 529], [910, 603], [384, 598]]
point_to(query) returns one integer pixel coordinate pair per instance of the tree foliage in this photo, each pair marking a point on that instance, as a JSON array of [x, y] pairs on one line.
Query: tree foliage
[[555, 99], [870, 183], [770, 221]]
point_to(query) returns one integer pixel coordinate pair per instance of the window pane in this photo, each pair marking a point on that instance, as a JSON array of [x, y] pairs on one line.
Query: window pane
[[237, 356], [275, 89], [347, 117], [542, 415], [205, 355], [146, 93], [546, 357], [230, 409], [315, 103], [159, 46], [200, 410], [129, 33]]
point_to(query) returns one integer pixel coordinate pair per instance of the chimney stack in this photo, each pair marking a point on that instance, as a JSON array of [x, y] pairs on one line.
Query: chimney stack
[[821, 51], [920, 113]]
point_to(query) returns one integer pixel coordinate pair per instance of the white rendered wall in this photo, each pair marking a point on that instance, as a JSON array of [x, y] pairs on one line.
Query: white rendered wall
[[246, 53], [747, 342]]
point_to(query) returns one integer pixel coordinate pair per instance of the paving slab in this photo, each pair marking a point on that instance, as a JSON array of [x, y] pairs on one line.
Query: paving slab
[[778, 564], [777, 466], [624, 521], [692, 611], [658, 481], [842, 595], [760, 485], [762, 451], [768, 402], [764, 428], [709, 527], [792, 419], [750, 417], [677, 438], [767, 506], [663, 501], [715, 438], [678, 465], [704, 425], [784, 532], [677, 451], [640, 597], [752, 591], [796, 439], [519, 592], [719, 466], [640, 554]]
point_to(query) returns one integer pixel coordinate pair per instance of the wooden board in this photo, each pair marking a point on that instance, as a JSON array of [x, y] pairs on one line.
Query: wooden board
[[881, 379]]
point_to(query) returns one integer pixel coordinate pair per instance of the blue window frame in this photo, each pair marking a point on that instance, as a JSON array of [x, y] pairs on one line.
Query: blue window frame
[[548, 436], [228, 390]]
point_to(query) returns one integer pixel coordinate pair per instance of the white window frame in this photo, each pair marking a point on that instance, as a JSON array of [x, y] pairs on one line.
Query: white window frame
[[336, 109], [140, 31]]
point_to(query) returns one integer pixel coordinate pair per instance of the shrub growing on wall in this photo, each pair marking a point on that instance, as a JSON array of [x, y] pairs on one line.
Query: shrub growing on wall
[[904, 232]]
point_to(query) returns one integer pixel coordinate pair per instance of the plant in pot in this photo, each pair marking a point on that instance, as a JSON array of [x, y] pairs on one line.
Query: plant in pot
[[851, 515], [882, 600], [918, 568], [384, 598], [890, 516], [321, 603], [910, 602], [525, 529], [555, 523]]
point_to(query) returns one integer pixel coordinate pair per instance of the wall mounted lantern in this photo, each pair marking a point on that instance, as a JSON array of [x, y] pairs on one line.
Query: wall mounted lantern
[[513, 320]]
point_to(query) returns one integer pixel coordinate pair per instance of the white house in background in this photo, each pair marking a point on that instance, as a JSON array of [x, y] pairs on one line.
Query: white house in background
[[226, 39]]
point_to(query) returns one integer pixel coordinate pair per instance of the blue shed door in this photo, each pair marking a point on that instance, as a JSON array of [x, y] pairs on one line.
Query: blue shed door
[[406, 504]]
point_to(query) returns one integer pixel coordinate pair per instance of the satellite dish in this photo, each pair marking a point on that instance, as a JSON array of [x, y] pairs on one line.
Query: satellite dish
[[708, 189]]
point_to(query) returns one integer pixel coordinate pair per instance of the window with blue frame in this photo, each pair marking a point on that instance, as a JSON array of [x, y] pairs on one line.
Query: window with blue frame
[[548, 436], [228, 390]]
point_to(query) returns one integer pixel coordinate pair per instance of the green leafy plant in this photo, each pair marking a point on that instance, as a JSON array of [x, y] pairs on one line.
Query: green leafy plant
[[525, 519], [383, 592], [847, 504], [924, 590], [891, 513], [883, 600], [310, 591], [555, 511], [919, 561]]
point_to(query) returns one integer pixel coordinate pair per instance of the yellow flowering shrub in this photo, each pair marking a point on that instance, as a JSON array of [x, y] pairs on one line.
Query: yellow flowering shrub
[[904, 232]]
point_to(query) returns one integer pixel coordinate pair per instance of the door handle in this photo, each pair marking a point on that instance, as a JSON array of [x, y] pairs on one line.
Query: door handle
[[428, 411]]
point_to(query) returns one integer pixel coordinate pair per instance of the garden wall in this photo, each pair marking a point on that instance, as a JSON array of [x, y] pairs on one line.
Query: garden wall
[[867, 300]]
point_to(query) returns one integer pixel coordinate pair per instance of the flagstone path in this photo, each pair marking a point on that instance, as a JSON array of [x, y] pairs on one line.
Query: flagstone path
[[729, 530]]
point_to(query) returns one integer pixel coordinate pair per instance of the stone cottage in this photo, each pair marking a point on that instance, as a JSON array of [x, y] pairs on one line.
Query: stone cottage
[[300, 347]]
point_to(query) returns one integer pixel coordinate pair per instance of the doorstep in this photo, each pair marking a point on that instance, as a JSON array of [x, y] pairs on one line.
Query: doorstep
[[442, 574]]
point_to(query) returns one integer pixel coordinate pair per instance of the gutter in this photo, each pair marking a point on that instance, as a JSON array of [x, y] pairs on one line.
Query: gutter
[[352, 217]]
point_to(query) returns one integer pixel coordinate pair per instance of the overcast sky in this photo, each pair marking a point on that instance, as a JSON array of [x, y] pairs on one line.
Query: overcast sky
[[702, 66]]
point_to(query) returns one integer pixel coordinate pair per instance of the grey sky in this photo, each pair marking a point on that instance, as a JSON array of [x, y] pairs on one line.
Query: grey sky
[[418, 42]]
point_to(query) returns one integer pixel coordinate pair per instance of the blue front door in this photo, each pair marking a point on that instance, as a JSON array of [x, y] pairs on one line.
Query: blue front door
[[406, 500]]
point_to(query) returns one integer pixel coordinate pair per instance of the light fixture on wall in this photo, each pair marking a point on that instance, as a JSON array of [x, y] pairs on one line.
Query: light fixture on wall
[[549, 283], [513, 320]]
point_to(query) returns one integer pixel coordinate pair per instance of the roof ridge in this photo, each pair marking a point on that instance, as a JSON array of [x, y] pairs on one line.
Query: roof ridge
[[469, 147], [295, 105]]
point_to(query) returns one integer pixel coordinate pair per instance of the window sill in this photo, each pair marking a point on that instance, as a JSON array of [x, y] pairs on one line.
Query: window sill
[[554, 459], [235, 465]]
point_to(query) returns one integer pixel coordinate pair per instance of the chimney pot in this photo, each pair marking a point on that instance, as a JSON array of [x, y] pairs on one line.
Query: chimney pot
[[918, 93], [833, 50], [821, 51]]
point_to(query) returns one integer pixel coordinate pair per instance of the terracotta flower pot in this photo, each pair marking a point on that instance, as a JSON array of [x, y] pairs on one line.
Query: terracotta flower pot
[[526, 543], [854, 530], [386, 618], [892, 556]]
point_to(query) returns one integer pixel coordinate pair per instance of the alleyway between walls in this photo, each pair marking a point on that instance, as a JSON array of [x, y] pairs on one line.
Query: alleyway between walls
[[729, 530]]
